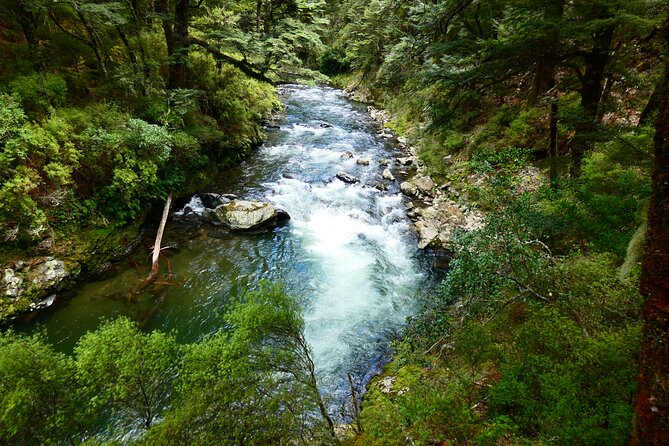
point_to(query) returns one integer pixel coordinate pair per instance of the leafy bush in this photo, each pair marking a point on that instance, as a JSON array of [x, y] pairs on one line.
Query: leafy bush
[[125, 371], [39, 92], [38, 395], [510, 159]]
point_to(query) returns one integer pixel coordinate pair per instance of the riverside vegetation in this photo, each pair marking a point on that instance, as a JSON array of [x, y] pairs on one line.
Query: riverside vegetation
[[540, 113]]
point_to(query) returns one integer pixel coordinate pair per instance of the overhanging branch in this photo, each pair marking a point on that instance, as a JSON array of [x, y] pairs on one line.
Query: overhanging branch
[[242, 65]]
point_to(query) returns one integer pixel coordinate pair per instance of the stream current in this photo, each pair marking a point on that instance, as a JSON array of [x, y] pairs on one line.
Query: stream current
[[348, 252]]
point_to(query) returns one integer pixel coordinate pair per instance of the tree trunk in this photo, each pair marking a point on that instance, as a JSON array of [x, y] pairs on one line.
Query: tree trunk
[[651, 105], [553, 146], [179, 56], [28, 23], [651, 422], [591, 93], [155, 264], [544, 72]]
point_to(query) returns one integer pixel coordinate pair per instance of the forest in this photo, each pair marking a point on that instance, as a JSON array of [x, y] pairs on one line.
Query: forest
[[550, 117]]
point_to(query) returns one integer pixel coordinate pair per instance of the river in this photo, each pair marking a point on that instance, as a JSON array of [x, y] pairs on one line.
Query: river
[[347, 253]]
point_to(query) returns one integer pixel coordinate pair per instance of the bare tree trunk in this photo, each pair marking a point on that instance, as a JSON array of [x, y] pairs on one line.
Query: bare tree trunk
[[651, 421]]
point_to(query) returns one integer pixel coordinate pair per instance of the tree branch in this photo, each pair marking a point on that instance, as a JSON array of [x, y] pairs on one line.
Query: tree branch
[[242, 65]]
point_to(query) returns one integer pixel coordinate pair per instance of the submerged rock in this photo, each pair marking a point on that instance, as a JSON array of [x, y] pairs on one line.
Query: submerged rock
[[346, 178], [243, 214]]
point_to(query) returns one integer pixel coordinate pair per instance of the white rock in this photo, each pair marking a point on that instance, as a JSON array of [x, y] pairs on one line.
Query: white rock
[[388, 175], [243, 214]]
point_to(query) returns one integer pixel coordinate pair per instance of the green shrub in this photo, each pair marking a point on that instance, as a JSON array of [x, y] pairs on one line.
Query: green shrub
[[38, 395], [39, 92]]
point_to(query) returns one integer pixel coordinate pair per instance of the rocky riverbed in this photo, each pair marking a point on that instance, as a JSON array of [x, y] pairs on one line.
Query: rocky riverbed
[[435, 214]]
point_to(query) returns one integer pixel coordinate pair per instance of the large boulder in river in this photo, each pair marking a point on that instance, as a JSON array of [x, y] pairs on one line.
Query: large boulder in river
[[243, 214]]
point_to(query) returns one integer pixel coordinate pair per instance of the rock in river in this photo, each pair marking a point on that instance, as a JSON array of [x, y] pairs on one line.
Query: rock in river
[[243, 214], [346, 178]]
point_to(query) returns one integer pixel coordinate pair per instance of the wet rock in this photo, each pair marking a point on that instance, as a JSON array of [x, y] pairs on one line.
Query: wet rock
[[12, 283], [362, 162], [425, 185], [325, 125], [43, 303], [388, 175], [383, 162], [382, 187], [243, 214], [409, 189], [405, 161], [347, 154], [441, 263], [45, 245], [346, 178], [211, 200], [282, 215], [230, 196], [273, 126]]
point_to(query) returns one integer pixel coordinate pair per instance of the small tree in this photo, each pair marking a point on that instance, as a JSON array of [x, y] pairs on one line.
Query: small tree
[[124, 370], [252, 384], [39, 401]]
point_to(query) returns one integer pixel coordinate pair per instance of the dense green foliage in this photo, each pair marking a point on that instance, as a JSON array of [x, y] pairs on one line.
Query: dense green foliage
[[252, 383]]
